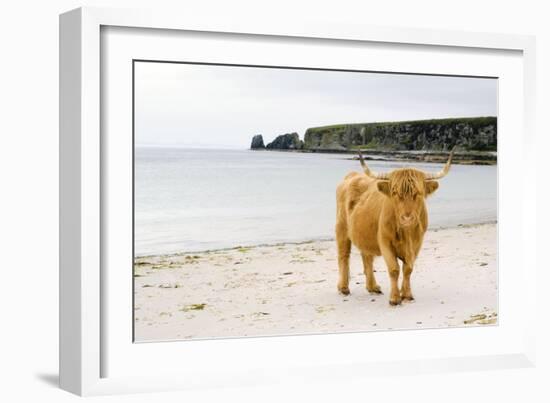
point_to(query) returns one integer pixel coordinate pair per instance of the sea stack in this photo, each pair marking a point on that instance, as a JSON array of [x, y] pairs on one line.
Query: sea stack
[[257, 142], [288, 141]]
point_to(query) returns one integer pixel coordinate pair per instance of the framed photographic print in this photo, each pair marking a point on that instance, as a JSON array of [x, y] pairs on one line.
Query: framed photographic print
[[237, 199]]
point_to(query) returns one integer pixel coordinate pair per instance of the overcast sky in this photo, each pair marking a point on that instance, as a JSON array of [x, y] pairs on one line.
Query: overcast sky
[[218, 106]]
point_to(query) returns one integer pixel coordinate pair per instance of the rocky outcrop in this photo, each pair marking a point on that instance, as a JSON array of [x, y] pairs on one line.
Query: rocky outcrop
[[257, 142], [420, 140], [288, 141], [478, 134]]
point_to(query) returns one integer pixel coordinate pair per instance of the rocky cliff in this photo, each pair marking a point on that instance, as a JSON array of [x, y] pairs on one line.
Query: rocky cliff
[[469, 134], [288, 141]]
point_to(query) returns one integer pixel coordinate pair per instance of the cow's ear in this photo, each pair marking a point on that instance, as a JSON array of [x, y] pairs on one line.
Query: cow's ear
[[384, 187], [430, 186]]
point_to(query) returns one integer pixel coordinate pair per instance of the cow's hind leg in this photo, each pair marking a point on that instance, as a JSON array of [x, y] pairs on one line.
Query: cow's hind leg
[[344, 248], [371, 284]]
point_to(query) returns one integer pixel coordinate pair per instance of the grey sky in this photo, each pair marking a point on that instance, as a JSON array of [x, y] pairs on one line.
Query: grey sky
[[218, 106]]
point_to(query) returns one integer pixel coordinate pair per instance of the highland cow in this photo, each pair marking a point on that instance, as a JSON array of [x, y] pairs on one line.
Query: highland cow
[[384, 215]]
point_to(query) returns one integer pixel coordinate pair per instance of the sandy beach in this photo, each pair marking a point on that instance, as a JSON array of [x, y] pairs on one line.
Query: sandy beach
[[291, 289]]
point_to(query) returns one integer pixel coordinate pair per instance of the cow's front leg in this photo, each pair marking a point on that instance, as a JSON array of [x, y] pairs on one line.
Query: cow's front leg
[[344, 248], [406, 293], [393, 271]]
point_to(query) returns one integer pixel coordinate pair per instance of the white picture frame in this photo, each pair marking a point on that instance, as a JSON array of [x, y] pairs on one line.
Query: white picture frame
[[84, 302]]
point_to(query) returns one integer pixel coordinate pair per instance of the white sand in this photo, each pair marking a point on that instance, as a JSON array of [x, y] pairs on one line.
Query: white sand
[[291, 289]]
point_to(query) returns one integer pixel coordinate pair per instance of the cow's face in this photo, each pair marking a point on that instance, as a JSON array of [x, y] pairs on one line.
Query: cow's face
[[407, 189]]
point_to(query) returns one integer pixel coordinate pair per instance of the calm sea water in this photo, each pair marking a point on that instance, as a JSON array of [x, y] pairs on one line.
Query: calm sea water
[[198, 199]]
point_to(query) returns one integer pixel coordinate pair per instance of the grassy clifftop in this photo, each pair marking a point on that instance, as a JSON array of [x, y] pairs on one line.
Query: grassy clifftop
[[470, 134]]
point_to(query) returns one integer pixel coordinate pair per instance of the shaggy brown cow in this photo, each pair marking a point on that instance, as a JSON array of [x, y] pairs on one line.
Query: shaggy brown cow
[[383, 214]]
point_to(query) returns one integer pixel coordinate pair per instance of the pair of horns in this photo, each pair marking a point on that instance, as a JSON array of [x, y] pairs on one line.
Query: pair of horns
[[429, 176]]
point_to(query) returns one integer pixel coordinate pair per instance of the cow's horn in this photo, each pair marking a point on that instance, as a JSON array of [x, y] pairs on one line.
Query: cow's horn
[[445, 169], [367, 170]]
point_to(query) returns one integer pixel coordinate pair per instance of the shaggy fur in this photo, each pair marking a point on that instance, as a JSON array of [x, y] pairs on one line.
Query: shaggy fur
[[382, 218]]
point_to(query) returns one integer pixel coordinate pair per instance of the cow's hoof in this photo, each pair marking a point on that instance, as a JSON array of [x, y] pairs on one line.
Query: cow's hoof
[[343, 290], [374, 290], [396, 301], [407, 298]]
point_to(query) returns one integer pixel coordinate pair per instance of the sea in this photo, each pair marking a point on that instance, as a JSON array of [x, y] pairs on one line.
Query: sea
[[192, 200]]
